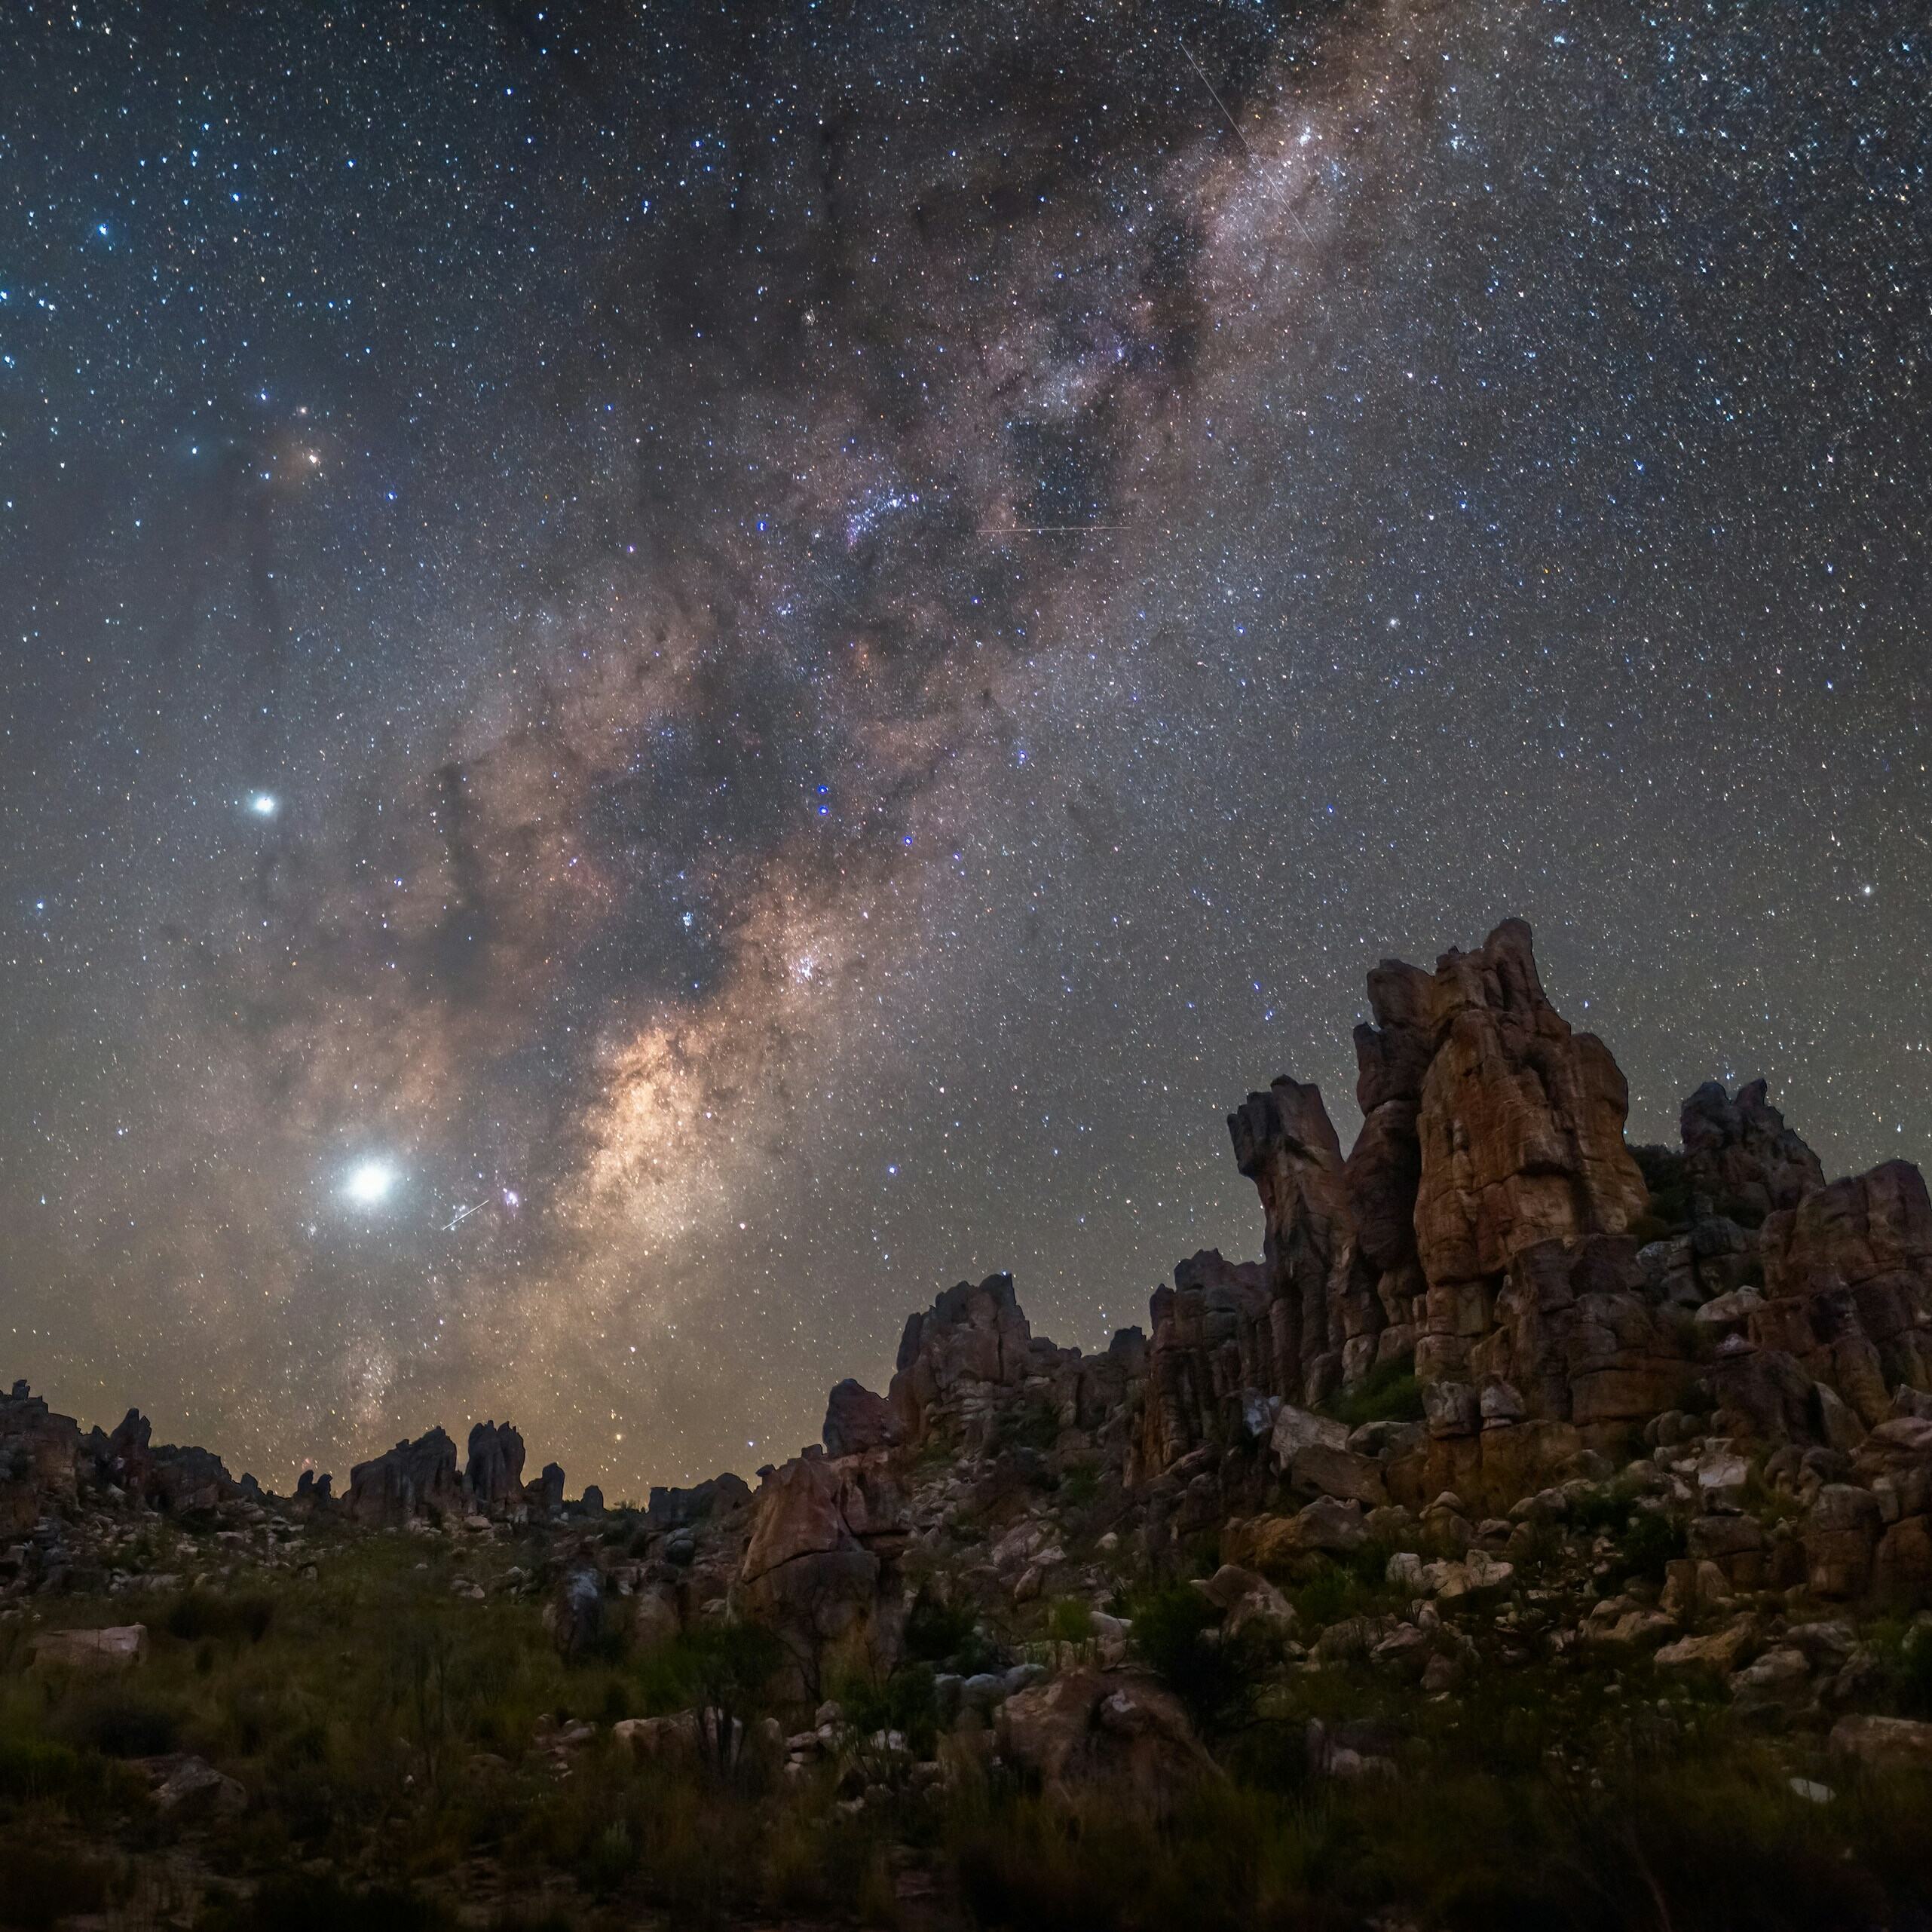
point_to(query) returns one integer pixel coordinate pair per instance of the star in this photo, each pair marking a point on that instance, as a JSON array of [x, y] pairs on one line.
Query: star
[[370, 1182]]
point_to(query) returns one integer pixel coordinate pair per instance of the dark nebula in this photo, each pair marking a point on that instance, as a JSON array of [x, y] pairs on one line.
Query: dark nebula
[[674, 673]]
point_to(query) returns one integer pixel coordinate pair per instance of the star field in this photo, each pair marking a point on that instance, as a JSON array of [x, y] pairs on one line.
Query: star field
[[674, 673]]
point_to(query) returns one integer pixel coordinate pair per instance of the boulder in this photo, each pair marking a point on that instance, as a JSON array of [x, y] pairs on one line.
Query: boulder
[[191, 1787], [1211, 1357], [574, 1616], [1246, 1598], [1295, 1429], [807, 1574], [1719, 1650], [493, 1473], [39, 1454], [857, 1420], [1841, 1536], [1520, 1127], [1740, 1157], [1089, 1732], [118, 1647], [413, 1479], [973, 1341], [544, 1498], [1884, 1743], [1276, 1543], [1323, 1470]]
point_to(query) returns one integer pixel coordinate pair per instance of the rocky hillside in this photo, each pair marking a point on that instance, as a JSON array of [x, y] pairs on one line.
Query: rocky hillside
[[1502, 1395]]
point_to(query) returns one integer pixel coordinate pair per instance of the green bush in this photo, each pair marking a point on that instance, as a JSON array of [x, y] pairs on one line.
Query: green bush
[[1079, 1485], [1665, 1175], [1070, 1620], [122, 1724], [1389, 1393], [1032, 1424], [901, 1701], [1650, 1540], [1215, 1676], [198, 1614], [937, 1633], [39, 1885]]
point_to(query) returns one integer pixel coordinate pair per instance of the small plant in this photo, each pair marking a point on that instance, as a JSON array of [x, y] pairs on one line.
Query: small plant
[[1070, 1620], [1665, 1174], [1389, 1393], [902, 1700], [1079, 1485], [1650, 1540], [1034, 1424], [723, 1668], [199, 1614], [40, 1886], [947, 1634], [1217, 1677]]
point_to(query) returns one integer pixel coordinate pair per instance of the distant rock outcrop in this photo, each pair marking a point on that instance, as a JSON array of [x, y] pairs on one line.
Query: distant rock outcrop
[[39, 1452], [857, 1420], [1740, 1158], [1521, 1306], [494, 1471], [412, 1478]]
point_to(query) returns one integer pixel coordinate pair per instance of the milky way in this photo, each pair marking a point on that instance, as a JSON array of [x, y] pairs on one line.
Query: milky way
[[673, 674]]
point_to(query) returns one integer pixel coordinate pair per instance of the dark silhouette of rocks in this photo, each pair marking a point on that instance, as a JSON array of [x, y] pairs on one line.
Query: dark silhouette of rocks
[[1537, 1309], [493, 1472], [413, 1479]]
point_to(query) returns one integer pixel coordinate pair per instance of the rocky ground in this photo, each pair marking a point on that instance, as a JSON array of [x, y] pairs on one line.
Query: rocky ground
[[1538, 1533]]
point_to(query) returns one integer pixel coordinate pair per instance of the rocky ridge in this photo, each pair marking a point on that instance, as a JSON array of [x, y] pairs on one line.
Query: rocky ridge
[[1562, 1397]]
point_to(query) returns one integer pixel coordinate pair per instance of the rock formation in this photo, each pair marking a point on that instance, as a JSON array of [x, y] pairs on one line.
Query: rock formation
[[412, 1478], [39, 1451], [857, 1420], [493, 1472], [1544, 1327], [1740, 1158]]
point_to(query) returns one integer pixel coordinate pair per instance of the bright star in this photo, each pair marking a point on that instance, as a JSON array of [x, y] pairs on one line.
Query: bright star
[[369, 1182], [265, 804]]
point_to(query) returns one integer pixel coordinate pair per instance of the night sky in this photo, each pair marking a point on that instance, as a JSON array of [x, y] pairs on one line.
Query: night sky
[[673, 673]]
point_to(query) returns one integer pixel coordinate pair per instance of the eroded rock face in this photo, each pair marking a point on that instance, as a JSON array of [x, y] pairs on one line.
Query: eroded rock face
[[1740, 1156], [856, 1420], [411, 1480], [1088, 1728], [1520, 1129], [1475, 1227], [1213, 1338], [39, 1452], [493, 1473], [808, 1573], [971, 1341], [1848, 1286]]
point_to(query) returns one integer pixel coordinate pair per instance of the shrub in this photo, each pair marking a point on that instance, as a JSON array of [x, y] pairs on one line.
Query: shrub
[[123, 1724], [1070, 1620], [1650, 1540], [1079, 1485], [1389, 1393], [300, 1904], [722, 1666], [39, 1887], [937, 1633], [37, 1771], [1215, 1676], [1665, 1175], [201, 1614], [902, 1700], [1034, 1424]]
